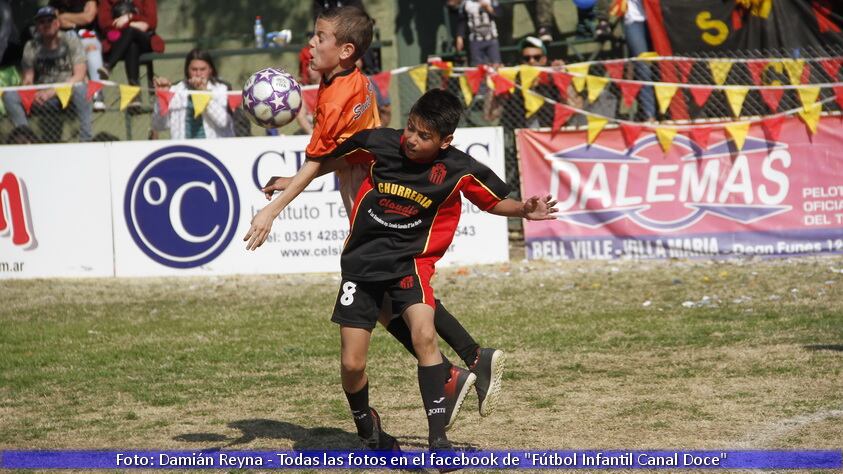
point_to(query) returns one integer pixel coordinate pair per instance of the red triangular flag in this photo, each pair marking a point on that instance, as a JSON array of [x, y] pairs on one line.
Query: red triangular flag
[[27, 96], [700, 136], [164, 98], [629, 90], [308, 96], [773, 126], [772, 97], [502, 84], [234, 100], [562, 82], [615, 69], [382, 80], [667, 71], [832, 67], [630, 132], [756, 69], [838, 94], [685, 67], [561, 114], [806, 75], [700, 95], [93, 88], [475, 78]]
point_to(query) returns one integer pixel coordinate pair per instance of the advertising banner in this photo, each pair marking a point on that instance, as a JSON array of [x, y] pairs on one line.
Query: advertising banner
[[55, 212], [782, 197]]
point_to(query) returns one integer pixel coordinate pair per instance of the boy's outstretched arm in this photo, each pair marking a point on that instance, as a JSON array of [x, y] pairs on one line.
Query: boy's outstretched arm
[[280, 183], [533, 209]]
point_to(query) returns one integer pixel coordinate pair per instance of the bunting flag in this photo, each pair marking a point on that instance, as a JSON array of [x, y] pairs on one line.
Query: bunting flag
[[772, 97], [738, 131], [64, 93], [832, 67], [720, 71], [736, 96], [419, 77], [595, 84], [773, 126], [700, 95], [234, 100], [382, 80], [808, 96], [528, 76], [615, 69], [465, 88], [630, 132], [532, 102], [200, 102], [562, 81], [502, 84], [794, 68], [310, 98], [127, 93], [700, 135], [561, 115], [684, 67], [838, 95], [93, 88], [579, 71], [474, 77], [665, 136], [27, 97], [664, 94], [509, 74], [446, 66], [595, 126], [629, 91], [164, 97], [756, 69], [811, 117]]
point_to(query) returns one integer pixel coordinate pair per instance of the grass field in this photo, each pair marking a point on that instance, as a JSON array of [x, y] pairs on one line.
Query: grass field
[[628, 355]]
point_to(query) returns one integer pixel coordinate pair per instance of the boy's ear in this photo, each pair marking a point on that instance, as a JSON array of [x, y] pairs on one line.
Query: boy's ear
[[347, 51], [446, 142]]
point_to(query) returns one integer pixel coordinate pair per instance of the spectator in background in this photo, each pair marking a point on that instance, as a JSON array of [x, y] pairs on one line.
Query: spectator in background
[[477, 24], [81, 16], [52, 56], [200, 74], [307, 76], [129, 29]]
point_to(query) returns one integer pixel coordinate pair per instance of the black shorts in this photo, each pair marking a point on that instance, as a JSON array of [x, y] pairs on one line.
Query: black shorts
[[359, 303]]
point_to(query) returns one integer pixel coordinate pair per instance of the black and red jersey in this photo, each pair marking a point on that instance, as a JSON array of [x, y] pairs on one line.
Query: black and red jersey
[[406, 213]]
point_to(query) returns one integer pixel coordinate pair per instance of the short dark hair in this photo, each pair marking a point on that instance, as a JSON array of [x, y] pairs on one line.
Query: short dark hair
[[201, 55], [351, 25], [438, 109]]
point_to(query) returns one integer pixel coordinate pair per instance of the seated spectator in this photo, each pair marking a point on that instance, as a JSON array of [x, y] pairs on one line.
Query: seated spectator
[[52, 56], [477, 24], [129, 29], [200, 74], [80, 16]]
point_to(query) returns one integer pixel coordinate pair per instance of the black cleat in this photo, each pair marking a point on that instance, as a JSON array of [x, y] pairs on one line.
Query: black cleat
[[457, 387], [489, 370], [443, 446], [380, 439]]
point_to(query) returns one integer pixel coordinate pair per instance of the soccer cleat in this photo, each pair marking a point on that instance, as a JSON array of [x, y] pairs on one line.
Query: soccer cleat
[[489, 370], [457, 387], [443, 446], [380, 440]]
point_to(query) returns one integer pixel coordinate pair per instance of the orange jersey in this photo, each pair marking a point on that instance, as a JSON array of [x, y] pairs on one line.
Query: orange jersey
[[344, 106]]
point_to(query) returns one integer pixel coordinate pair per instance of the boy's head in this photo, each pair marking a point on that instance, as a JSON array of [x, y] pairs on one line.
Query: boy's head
[[431, 124], [341, 36]]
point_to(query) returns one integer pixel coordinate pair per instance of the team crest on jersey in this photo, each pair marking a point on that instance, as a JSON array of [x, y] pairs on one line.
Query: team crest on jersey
[[437, 173], [407, 282]]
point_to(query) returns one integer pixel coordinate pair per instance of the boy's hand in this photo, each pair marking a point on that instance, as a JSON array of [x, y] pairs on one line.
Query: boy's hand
[[275, 183], [261, 226], [538, 209]]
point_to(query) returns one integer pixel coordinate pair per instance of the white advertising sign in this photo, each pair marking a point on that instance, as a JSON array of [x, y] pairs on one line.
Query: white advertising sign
[[55, 212]]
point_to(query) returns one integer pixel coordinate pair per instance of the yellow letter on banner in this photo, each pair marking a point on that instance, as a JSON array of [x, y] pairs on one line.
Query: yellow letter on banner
[[665, 136], [579, 72], [595, 86], [808, 96], [738, 133], [419, 77], [664, 94], [736, 96], [811, 117], [127, 93], [720, 71], [200, 102], [595, 126], [63, 93]]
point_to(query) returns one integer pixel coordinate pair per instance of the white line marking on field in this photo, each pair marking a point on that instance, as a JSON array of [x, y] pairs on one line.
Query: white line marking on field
[[763, 437]]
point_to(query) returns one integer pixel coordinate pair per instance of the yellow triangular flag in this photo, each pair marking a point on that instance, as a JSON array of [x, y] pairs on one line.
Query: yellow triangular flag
[[200, 102], [508, 73], [579, 80], [664, 94], [63, 93], [665, 136], [419, 77], [528, 76], [532, 102], [811, 116], [595, 126], [467, 96], [127, 93], [808, 96], [735, 96], [794, 69], [738, 133], [595, 84], [720, 71]]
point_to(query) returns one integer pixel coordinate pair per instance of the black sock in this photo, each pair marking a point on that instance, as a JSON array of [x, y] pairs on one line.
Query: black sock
[[360, 411], [432, 386], [399, 330], [452, 332]]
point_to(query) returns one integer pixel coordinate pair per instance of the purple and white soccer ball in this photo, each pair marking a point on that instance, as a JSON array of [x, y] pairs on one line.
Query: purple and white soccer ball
[[271, 98]]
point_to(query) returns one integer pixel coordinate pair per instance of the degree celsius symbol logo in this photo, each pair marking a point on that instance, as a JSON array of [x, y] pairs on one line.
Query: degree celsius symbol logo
[[181, 206]]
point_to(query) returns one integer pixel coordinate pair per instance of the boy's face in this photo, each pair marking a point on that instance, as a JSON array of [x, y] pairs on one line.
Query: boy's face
[[326, 53], [421, 143]]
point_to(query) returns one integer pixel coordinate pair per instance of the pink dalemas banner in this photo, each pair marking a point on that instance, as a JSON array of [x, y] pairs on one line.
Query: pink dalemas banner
[[774, 197]]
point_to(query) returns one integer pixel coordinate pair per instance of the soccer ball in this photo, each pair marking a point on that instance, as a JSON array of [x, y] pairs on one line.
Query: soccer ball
[[271, 98]]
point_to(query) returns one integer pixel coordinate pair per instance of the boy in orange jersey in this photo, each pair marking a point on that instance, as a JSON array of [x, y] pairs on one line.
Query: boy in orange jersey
[[346, 104]]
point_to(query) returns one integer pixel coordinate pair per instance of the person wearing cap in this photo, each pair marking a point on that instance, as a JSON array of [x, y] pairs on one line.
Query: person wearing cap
[[81, 16], [52, 57]]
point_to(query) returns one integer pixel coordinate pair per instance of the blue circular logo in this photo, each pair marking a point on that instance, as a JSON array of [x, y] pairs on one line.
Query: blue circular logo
[[181, 206]]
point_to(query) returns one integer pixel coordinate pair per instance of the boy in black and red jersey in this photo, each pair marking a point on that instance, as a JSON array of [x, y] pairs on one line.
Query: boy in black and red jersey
[[404, 218]]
